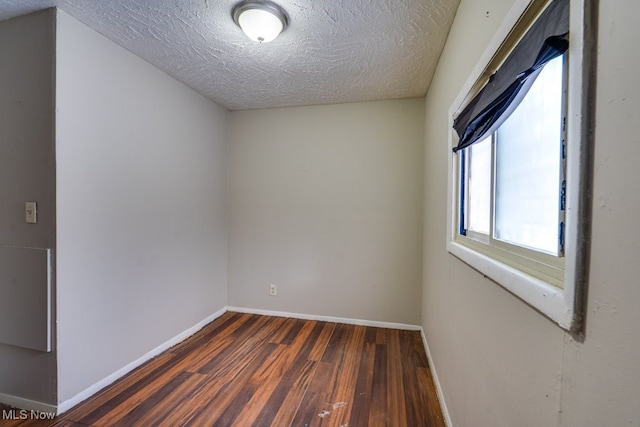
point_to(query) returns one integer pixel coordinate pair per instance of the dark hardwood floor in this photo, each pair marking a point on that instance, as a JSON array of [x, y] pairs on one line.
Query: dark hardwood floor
[[250, 370]]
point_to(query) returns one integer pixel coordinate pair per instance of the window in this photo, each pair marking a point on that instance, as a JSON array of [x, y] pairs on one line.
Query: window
[[528, 164], [513, 182], [520, 156], [475, 202]]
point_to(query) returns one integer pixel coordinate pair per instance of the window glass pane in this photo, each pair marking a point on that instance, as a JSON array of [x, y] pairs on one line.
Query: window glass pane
[[479, 201], [528, 166]]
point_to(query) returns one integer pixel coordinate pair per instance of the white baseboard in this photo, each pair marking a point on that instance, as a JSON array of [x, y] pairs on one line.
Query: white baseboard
[[434, 374], [348, 321], [90, 391], [30, 405]]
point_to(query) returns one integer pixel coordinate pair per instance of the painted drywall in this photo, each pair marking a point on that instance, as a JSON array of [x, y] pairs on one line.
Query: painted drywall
[[499, 362], [27, 173], [141, 202], [601, 378], [325, 202]]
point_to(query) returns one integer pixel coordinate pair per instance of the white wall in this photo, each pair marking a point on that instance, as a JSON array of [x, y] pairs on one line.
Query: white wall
[[601, 378], [325, 202], [27, 173], [501, 363], [141, 199]]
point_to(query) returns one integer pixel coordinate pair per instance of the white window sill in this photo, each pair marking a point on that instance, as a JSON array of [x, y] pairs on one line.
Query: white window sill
[[548, 299]]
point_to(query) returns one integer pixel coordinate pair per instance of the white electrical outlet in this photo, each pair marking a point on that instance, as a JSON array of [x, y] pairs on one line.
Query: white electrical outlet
[[30, 211], [273, 290]]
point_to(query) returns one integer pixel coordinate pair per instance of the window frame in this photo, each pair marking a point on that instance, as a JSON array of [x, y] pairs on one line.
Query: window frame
[[562, 302]]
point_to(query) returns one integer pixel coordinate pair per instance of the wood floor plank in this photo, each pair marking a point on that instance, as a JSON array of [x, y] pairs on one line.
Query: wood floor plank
[[234, 371], [278, 365], [431, 411], [269, 376], [315, 405], [413, 361], [288, 407], [395, 383], [249, 370], [174, 393], [364, 387], [226, 324], [285, 399], [117, 408], [293, 332], [244, 340], [321, 344], [282, 332], [94, 408], [342, 397], [227, 344], [331, 397], [378, 414], [255, 393], [308, 413], [225, 390]]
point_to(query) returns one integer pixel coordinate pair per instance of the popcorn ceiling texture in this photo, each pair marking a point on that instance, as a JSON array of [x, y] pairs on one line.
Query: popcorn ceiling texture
[[333, 51]]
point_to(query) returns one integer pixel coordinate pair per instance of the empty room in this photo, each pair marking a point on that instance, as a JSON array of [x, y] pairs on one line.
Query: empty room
[[357, 213]]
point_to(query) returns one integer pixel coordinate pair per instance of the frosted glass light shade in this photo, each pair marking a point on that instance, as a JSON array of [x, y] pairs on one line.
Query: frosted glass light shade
[[261, 21]]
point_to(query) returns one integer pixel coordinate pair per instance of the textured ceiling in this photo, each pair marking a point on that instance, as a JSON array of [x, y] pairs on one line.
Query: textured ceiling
[[333, 50]]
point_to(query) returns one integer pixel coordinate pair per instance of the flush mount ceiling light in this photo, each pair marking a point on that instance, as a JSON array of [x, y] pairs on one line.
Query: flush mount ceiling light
[[261, 21]]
